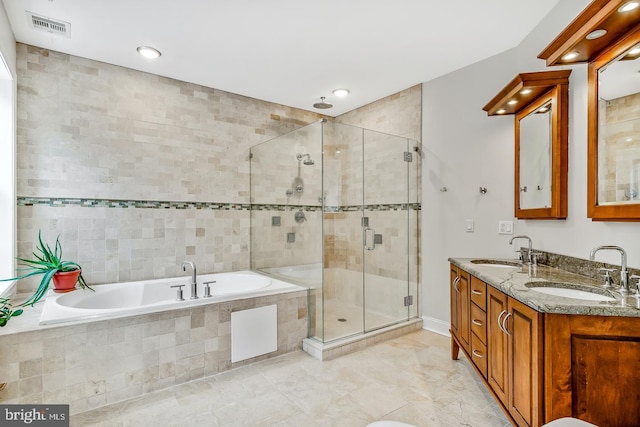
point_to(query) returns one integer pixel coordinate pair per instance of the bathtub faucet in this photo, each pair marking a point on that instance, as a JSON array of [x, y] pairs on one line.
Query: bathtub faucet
[[194, 281]]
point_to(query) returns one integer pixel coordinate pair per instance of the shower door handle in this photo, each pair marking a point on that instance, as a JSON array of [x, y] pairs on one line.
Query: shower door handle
[[366, 246]]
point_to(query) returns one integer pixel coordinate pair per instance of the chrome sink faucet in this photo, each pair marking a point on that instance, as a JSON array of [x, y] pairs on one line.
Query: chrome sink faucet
[[194, 281], [530, 257], [624, 274]]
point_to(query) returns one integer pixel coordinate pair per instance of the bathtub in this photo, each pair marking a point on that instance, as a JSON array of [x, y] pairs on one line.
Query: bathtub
[[148, 296], [304, 274]]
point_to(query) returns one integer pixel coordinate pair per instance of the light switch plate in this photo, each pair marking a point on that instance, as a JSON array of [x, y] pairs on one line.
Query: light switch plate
[[505, 227]]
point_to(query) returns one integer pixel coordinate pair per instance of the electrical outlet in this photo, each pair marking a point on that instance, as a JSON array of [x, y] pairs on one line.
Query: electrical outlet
[[468, 225], [505, 227]]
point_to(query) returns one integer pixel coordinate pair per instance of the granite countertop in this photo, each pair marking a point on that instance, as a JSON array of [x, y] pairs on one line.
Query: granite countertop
[[512, 282]]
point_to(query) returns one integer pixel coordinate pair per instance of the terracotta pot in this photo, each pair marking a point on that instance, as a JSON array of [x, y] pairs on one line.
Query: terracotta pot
[[65, 281]]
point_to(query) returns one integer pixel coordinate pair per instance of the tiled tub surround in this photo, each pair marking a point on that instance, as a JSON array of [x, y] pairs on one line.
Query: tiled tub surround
[[512, 282], [94, 363]]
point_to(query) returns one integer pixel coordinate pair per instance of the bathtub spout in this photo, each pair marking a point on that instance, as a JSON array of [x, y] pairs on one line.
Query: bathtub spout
[[194, 282]]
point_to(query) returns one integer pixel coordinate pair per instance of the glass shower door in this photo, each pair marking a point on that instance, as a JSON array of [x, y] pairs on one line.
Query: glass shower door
[[387, 160]]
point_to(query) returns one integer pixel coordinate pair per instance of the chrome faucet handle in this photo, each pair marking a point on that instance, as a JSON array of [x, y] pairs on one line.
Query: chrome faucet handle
[[608, 280], [179, 293], [207, 289], [635, 276]]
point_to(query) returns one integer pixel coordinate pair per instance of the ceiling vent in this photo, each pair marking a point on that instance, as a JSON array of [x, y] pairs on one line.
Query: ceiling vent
[[51, 26]]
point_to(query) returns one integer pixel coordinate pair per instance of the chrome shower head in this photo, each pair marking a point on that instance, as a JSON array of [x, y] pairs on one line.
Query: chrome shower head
[[308, 161], [322, 105]]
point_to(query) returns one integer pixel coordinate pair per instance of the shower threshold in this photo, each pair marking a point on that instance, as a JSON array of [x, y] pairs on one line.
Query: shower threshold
[[340, 347]]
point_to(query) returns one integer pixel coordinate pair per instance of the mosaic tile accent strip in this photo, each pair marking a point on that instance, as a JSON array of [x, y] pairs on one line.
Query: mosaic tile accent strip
[[143, 204], [156, 204]]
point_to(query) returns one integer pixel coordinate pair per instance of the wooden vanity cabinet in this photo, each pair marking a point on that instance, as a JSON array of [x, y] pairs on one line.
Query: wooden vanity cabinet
[[541, 366]]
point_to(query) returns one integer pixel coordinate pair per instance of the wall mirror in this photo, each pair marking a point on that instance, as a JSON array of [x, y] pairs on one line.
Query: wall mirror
[[606, 35], [539, 103], [614, 132]]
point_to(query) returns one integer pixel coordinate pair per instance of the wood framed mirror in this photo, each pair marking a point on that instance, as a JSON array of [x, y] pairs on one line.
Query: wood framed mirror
[[614, 132], [606, 35], [539, 102]]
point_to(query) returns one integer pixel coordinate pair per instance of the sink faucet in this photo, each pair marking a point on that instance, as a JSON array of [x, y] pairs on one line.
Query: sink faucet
[[530, 245], [194, 282], [624, 274]]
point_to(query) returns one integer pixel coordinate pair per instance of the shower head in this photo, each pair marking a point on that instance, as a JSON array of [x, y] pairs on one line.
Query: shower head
[[308, 161], [322, 105]]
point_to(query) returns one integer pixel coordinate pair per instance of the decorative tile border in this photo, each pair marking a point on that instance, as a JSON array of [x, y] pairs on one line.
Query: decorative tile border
[[153, 204], [138, 204]]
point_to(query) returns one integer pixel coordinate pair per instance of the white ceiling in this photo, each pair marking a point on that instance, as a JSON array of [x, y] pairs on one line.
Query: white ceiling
[[290, 52]]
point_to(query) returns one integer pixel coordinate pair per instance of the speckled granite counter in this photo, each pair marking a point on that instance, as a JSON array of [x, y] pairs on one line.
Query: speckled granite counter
[[512, 281]]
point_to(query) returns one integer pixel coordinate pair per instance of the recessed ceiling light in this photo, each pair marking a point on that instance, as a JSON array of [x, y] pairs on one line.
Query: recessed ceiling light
[[596, 34], [525, 91], [630, 5], [148, 52], [512, 102], [341, 93], [501, 111], [571, 55]]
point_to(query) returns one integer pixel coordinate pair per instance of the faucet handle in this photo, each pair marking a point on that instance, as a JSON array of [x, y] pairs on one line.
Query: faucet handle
[[635, 276], [207, 288], [179, 293], [520, 254], [608, 281]]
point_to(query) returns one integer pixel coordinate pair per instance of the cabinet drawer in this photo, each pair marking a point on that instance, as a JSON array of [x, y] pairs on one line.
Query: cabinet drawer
[[479, 292], [479, 354], [479, 323]]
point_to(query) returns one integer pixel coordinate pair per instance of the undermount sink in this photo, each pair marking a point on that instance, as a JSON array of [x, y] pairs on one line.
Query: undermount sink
[[571, 290], [495, 263]]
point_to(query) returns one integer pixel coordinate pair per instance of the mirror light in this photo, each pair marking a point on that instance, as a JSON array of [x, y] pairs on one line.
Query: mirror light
[[628, 6], [501, 111], [635, 51], [512, 102], [571, 55], [341, 93], [596, 34], [525, 91], [148, 52]]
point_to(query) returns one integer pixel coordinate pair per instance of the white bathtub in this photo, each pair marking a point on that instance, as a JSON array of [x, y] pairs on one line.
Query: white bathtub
[[305, 274], [147, 296]]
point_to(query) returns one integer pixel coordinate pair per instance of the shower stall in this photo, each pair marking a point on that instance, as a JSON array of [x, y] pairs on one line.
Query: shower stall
[[335, 208]]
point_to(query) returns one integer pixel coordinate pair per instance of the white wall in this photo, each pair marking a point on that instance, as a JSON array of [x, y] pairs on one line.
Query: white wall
[[7, 148], [465, 149]]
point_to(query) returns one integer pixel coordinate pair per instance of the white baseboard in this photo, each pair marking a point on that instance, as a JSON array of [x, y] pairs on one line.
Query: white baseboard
[[436, 325]]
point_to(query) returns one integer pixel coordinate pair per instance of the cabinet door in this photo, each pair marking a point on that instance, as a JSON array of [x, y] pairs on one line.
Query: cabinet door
[[455, 315], [497, 306], [524, 327], [460, 307]]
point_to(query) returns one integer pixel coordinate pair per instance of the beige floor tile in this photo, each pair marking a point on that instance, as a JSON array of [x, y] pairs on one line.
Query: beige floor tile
[[410, 379]]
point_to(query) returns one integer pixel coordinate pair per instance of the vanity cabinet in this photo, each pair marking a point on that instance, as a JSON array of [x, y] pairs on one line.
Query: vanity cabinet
[[543, 366]]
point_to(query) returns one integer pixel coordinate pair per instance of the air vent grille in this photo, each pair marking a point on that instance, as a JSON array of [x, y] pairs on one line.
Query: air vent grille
[[51, 26]]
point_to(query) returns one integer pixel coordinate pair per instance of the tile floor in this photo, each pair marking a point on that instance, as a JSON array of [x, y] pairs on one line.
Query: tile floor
[[410, 379]]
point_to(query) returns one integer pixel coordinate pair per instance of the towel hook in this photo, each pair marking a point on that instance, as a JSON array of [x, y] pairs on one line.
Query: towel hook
[[483, 190]]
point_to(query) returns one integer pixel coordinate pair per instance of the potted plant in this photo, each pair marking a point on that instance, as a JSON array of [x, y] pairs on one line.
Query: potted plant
[[7, 311], [49, 263]]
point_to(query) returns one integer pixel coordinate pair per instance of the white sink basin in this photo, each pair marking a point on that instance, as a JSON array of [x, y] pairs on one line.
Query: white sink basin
[[581, 294]]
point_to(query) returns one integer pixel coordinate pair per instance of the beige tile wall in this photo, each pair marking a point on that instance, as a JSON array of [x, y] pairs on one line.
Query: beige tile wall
[[87, 129]]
